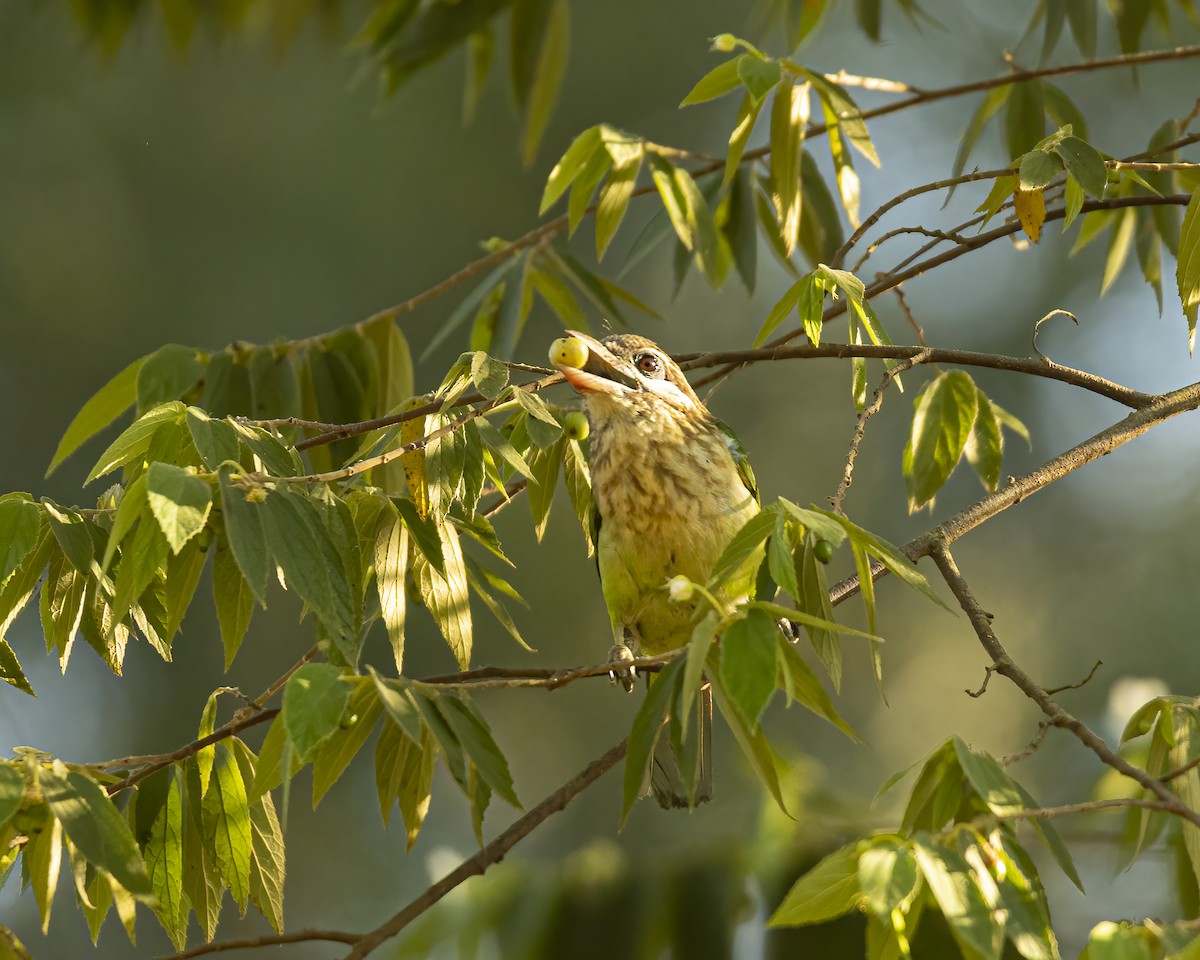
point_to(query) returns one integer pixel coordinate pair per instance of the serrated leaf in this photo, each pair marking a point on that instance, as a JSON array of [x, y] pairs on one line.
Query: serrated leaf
[[944, 415], [333, 756], [391, 573], [985, 446], [1119, 247], [89, 818], [959, 899], [827, 891], [163, 851], [105, 405], [303, 547], [245, 533], [1084, 163], [789, 122], [180, 502], [314, 702], [1187, 267], [477, 742], [690, 216], [748, 664], [446, 595], [801, 685], [135, 440], [234, 602], [887, 875], [544, 465], [20, 525], [167, 374], [225, 820], [741, 548]]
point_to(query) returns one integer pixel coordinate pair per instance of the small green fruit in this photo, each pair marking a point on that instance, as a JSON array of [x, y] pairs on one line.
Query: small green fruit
[[569, 352], [575, 425], [823, 551]]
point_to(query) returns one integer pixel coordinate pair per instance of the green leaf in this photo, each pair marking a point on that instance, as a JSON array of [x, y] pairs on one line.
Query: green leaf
[[396, 700], [1187, 267], [225, 820], [748, 664], [391, 572], [741, 548], [94, 825], [333, 756], [1084, 163], [42, 862], [755, 747], [959, 899], [314, 702], [180, 502], [617, 191], [472, 732], [135, 441], [995, 787], [108, 403], [446, 595], [20, 524], [803, 291], [216, 440], [303, 546], [757, 74], [488, 374], [801, 684], [719, 81], [73, 536], [1081, 17], [740, 229], [789, 122], [570, 166], [993, 100], [12, 791], [167, 374], [829, 890], [690, 216], [234, 602], [643, 735], [1025, 117], [10, 669], [1038, 168], [887, 875], [985, 446], [585, 184], [163, 851], [547, 77], [242, 508], [1118, 249], [544, 465], [942, 422]]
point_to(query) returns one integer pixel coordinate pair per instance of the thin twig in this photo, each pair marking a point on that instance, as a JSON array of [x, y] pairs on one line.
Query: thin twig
[[1088, 806], [860, 425], [1180, 771], [492, 853], [987, 678], [1029, 749], [1078, 683], [1056, 715], [485, 678], [270, 940]]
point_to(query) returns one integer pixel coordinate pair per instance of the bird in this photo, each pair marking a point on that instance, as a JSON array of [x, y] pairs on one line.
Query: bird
[[671, 486]]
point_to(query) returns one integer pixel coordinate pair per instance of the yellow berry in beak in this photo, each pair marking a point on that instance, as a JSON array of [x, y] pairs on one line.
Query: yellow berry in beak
[[569, 351], [575, 424]]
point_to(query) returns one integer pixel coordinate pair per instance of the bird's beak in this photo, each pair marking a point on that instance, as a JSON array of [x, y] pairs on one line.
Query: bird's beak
[[603, 372]]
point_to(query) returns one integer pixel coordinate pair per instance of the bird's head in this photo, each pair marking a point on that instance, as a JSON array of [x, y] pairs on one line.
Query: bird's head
[[627, 377]]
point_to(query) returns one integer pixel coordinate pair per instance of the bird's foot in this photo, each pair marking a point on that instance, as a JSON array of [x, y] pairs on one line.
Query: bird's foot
[[621, 658]]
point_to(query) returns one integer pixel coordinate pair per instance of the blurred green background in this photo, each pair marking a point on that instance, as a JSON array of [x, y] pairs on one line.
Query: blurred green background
[[237, 193]]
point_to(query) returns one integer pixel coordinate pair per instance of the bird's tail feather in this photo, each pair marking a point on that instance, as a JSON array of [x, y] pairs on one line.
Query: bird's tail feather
[[678, 763]]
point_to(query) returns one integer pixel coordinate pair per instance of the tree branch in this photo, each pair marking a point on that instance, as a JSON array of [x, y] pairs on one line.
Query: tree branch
[[1056, 715], [730, 359], [1162, 407], [492, 853], [270, 940]]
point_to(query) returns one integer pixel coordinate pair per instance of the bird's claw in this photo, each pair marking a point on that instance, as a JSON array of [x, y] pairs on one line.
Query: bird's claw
[[623, 670]]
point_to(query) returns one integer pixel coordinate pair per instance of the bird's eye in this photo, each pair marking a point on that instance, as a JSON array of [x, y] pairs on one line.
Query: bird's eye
[[650, 365]]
